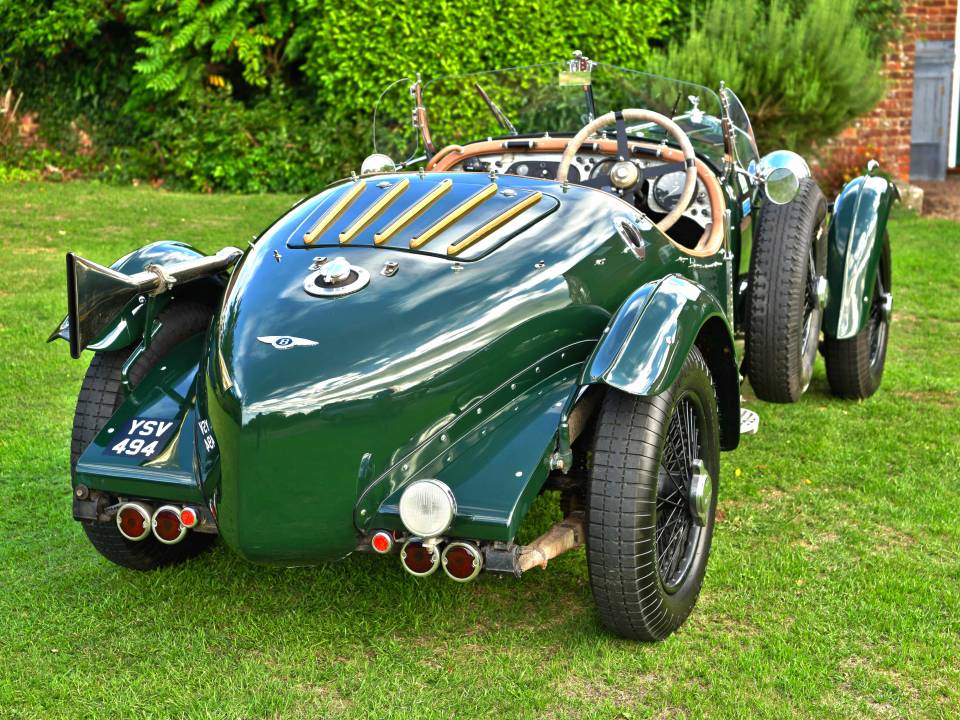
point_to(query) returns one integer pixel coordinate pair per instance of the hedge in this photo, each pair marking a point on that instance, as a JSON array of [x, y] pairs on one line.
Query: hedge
[[278, 94]]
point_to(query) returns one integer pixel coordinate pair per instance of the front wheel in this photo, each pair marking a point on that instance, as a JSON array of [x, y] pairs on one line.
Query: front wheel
[[855, 365], [784, 305], [651, 503]]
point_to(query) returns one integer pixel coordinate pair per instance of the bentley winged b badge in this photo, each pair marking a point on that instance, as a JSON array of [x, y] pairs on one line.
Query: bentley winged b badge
[[285, 342]]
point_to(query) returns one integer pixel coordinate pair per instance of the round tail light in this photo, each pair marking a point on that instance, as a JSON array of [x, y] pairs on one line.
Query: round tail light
[[462, 561], [167, 527], [419, 559], [189, 517], [382, 542], [133, 521]]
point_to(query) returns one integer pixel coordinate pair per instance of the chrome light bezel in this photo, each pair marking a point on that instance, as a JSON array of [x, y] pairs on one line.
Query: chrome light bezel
[[446, 492], [145, 513], [153, 524], [477, 560], [434, 553]]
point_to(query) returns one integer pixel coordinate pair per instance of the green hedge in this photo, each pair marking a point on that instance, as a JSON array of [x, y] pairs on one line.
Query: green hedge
[[264, 95]]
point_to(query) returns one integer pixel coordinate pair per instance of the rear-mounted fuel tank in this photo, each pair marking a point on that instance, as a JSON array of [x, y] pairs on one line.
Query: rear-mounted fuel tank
[[313, 398]]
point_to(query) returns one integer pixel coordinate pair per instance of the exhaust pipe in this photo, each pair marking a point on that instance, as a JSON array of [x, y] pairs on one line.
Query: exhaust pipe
[[515, 560], [419, 559], [462, 561], [167, 526], [134, 520]]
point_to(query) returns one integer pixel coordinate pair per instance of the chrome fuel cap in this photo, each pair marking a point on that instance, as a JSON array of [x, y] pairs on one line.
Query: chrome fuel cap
[[335, 277]]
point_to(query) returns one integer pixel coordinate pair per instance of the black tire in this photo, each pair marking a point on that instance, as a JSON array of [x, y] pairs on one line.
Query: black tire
[[783, 315], [101, 394], [644, 587], [855, 365]]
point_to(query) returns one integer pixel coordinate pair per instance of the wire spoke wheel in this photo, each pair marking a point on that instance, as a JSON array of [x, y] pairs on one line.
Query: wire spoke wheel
[[812, 315], [878, 322], [651, 502], [677, 533], [855, 364]]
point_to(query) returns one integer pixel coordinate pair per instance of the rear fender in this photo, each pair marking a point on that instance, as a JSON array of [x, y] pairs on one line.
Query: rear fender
[[161, 410], [648, 339], [854, 243], [129, 325]]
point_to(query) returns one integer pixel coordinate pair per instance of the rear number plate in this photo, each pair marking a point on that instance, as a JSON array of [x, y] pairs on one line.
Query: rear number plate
[[141, 437]]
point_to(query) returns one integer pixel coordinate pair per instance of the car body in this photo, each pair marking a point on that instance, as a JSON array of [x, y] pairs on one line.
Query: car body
[[460, 322]]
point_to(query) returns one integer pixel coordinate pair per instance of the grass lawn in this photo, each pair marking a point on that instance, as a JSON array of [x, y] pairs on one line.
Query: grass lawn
[[833, 589]]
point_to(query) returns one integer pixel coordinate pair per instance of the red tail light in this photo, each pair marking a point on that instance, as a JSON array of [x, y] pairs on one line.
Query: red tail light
[[133, 521], [167, 527], [418, 559], [462, 561], [382, 542], [189, 517]]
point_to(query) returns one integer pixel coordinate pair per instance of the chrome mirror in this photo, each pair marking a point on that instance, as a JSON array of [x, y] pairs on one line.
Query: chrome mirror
[[781, 185], [377, 163], [781, 172]]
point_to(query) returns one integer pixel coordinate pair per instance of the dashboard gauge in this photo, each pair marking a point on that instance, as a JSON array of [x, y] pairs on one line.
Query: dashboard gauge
[[668, 189]]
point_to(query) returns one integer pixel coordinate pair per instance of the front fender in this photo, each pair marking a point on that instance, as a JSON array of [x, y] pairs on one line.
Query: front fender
[[649, 337], [127, 328], [854, 243]]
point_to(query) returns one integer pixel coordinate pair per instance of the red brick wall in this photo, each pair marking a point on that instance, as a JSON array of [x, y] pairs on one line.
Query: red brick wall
[[886, 129]]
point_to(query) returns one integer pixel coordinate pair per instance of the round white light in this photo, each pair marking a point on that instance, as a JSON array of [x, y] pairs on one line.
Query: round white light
[[427, 508]]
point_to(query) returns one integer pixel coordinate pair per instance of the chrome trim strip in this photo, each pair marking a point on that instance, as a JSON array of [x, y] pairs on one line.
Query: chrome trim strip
[[414, 211], [502, 219], [338, 208], [374, 210], [451, 217]]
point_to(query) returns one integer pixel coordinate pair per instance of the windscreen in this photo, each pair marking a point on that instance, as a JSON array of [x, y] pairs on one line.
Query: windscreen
[[555, 98]]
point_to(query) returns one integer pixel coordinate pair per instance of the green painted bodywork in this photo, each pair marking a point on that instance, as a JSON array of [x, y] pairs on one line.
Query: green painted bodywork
[[167, 393], [854, 243], [462, 369], [650, 336]]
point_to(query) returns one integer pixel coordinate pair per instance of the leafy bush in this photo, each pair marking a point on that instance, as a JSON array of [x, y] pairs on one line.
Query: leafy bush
[[257, 95], [271, 94], [802, 74]]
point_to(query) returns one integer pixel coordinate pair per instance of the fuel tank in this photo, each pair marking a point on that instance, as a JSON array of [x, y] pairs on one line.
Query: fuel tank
[[374, 319]]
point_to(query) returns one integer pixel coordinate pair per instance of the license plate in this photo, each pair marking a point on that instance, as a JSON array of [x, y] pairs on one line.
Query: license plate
[[141, 437]]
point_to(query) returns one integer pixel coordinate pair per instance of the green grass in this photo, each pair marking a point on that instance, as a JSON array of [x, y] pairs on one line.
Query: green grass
[[833, 589]]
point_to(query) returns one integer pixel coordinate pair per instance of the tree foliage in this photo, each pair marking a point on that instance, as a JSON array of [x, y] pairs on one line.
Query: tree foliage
[[278, 94], [803, 74]]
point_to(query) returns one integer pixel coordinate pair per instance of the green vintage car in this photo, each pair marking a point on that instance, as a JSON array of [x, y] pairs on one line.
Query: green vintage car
[[541, 288]]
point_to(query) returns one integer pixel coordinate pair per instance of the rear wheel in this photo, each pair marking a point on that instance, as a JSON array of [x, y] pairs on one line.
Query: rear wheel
[[651, 503], [100, 396], [783, 306], [855, 365]]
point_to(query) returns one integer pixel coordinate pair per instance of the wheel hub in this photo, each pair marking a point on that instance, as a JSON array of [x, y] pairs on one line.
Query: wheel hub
[[886, 305], [701, 492]]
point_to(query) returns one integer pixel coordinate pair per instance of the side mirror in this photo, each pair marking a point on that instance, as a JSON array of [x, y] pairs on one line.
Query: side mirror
[[781, 186], [781, 172], [377, 163]]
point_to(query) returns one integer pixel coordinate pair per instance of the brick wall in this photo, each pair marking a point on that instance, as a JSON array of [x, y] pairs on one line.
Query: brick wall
[[886, 129]]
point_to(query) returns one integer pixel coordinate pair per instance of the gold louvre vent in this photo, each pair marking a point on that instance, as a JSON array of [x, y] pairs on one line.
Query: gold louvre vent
[[461, 216], [460, 211], [500, 220], [331, 215], [413, 212]]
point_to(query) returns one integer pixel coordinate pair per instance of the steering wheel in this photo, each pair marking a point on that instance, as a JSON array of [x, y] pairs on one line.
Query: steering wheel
[[624, 174]]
